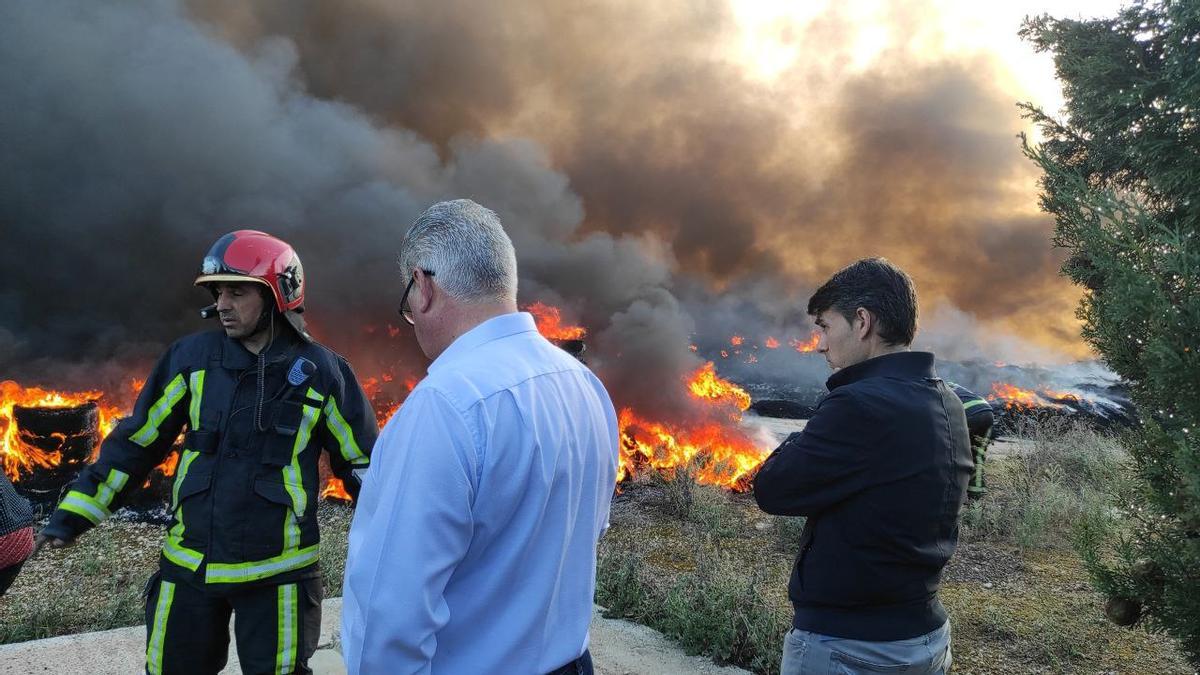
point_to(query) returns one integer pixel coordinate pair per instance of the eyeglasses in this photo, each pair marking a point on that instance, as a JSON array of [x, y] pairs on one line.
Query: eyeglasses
[[405, 310]]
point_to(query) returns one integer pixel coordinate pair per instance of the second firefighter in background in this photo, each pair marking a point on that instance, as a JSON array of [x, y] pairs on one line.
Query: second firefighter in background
[[980, 419], [259, 400]]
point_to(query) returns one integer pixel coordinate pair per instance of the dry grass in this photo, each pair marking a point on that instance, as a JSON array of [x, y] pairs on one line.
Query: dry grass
[[98, 583], [1018, 595], [710, 570]]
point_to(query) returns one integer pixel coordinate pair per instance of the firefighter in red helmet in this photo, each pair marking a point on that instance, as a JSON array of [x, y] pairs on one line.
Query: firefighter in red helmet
[[259, 400]]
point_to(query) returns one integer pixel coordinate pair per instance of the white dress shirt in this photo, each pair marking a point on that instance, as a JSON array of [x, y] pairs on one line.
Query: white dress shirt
[[473, 548]]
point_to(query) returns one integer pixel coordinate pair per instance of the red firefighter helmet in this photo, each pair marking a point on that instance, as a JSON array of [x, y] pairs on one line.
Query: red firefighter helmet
[[250, 255]]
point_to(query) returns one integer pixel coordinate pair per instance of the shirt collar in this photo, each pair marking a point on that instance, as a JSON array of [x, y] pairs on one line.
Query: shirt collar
[[493, 329], [899, 364]]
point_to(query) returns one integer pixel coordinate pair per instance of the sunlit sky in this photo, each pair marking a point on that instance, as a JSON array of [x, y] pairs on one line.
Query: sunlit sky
[[954, 27]]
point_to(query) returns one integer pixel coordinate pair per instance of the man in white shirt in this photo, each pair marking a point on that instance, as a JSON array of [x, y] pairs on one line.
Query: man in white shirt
[[473, 549]]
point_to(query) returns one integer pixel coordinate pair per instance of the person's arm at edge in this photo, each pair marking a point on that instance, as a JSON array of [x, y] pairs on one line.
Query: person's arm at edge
[[412, 527]]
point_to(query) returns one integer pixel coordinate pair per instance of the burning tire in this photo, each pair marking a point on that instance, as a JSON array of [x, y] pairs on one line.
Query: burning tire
[[60, 442]]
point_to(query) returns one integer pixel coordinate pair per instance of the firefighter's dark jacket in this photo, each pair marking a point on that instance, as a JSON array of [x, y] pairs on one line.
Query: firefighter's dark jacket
[[980, 416], [245, 493], [880, 470]]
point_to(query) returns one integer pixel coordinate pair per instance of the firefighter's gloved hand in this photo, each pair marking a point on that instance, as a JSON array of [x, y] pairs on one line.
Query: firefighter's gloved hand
[[44, 540]]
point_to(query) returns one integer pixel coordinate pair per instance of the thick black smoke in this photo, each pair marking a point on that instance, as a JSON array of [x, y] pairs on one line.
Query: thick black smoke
[[654, 190], [660, 131], [134, 138]]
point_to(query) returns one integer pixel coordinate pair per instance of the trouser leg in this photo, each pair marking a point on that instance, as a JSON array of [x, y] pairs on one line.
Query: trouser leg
[[978, 486], [187, 632], [277, 627], [807, 653], [580, 666]]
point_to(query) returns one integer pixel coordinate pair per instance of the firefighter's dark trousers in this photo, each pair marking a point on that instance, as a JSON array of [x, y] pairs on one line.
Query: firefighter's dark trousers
[[187, 628]]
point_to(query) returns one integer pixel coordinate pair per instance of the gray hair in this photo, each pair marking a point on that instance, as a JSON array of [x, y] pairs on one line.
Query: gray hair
[[466, 248]]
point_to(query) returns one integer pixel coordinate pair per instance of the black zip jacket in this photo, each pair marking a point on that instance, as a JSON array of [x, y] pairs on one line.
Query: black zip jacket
[[246, 487], [880, 471]]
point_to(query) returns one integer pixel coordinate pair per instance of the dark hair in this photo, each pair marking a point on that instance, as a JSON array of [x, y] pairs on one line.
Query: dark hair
[[877, 286]]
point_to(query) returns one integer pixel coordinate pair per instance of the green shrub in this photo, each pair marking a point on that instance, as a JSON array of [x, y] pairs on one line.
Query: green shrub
[[690, 501], [1064, 476], [1119, 174], [719, 609]]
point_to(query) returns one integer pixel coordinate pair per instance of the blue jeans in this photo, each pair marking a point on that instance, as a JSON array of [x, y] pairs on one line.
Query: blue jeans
[[806, 653]]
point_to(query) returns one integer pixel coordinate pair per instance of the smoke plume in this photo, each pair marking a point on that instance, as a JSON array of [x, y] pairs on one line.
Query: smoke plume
[[656, 191]]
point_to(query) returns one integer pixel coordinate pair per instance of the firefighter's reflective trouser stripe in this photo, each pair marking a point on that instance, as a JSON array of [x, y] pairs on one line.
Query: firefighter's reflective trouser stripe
[[276, 628], [979, 445], [287, 628], [158, 628]]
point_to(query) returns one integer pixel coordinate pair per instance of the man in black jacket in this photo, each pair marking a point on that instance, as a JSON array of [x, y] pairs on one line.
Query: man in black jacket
[[880, 471]]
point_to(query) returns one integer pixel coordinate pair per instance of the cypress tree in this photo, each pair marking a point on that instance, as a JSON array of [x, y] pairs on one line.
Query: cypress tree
[[1121, 176]]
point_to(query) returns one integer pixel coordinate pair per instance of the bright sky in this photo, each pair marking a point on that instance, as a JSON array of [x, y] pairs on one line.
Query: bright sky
[[945, 27]]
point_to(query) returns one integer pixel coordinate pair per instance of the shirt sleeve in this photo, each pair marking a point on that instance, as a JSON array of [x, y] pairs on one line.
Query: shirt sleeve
[[820, 466], [411, 529]]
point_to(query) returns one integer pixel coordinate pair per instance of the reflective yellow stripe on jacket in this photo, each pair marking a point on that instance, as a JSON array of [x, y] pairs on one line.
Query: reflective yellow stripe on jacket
[[96, 507], [160, 411], [173, 548], [221, 573], [293, 477], [341, 431]]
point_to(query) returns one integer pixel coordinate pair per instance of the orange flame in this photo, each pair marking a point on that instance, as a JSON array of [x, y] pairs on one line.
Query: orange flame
[[1013, 397], [705, 385], [771, 343], [550, 324], [1058, 396], [167, 468], [1016, 398], [335, 489], [809, 345], [370, 386], [737, 340], [720, 452]]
